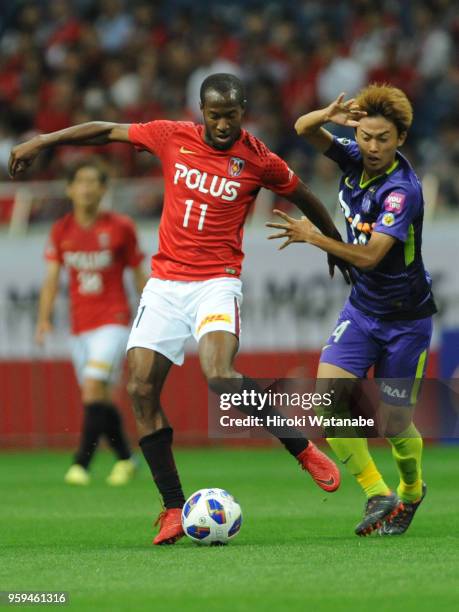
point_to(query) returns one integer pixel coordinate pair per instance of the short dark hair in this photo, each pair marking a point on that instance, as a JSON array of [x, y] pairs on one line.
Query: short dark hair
[[223, 83], [95, 163]]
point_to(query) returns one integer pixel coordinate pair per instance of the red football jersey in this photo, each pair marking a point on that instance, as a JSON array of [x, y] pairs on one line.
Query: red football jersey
[[207, 195], [95, 257]]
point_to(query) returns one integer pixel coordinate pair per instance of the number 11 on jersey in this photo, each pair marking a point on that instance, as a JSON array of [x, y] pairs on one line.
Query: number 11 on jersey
[[189, 206]]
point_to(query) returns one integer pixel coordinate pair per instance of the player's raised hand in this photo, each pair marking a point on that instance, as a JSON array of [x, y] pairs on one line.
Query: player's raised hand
[[22, 155], [344, 113], [293, 230], [42, 329]]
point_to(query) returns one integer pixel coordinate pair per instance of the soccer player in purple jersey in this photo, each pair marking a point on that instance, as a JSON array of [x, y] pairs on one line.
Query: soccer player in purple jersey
[[387, 320]]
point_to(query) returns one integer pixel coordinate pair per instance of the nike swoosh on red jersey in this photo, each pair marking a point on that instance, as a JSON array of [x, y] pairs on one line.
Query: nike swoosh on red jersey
[[183, 150]]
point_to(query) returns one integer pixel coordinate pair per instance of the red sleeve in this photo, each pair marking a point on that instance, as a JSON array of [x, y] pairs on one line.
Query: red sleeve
[[152, 135], [132, 253], [53, 248], [277, 176]]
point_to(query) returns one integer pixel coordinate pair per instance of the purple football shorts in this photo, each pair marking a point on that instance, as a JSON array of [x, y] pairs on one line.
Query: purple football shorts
[[396, 349]]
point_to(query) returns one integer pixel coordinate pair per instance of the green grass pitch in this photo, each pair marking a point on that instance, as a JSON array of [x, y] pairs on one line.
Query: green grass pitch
[[296, 549]]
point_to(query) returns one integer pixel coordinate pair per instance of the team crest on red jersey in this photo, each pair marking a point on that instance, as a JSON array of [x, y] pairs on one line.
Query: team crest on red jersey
[[104, 240], [235, 166]]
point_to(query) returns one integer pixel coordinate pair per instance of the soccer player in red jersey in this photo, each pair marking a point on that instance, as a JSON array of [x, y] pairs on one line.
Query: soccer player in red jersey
[[212, 175], [95, 247]]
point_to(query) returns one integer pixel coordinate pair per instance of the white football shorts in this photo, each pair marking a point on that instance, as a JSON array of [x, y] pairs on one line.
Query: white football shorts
[[170, 312], [99, 353]]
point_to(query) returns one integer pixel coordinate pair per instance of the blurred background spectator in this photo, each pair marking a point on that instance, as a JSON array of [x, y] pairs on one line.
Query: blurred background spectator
[[68, 61]]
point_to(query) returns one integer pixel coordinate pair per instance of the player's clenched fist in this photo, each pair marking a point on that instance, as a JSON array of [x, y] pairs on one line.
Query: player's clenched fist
[[22, 156]]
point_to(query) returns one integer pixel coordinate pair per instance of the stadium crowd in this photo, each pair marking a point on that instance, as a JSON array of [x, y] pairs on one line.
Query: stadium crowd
[[64, 62]]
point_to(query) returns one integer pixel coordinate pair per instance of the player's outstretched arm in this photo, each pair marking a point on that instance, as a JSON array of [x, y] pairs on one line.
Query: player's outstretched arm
[[365, 257], [315, 211], [47, 298], [92, 133], [342, 113]]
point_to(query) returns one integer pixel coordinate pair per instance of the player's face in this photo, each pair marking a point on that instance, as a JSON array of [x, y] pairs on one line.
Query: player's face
[[378, 140], [86, 189], [222, 116]]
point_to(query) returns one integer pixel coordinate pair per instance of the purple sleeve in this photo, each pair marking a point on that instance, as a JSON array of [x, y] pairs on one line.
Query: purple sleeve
[[400, 206], [345, 153]]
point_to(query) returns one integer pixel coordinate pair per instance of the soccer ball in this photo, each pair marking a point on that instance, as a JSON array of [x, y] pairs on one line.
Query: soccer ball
[[211, 516]]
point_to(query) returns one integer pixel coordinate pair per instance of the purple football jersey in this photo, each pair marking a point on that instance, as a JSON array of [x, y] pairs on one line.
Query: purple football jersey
[[399, 287]]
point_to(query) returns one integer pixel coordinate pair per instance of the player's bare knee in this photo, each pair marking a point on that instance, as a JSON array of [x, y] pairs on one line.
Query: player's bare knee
[[222, 379], [140, 390], [145, 401], [93, 390]]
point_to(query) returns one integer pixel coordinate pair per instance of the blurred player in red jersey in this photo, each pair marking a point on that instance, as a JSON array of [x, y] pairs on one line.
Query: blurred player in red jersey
[[95, 247], [212, 175]]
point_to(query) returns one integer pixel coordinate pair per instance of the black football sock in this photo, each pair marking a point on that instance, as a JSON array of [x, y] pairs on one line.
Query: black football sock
[[91, 431], [157, 450], [290, 437], [115, 433]]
